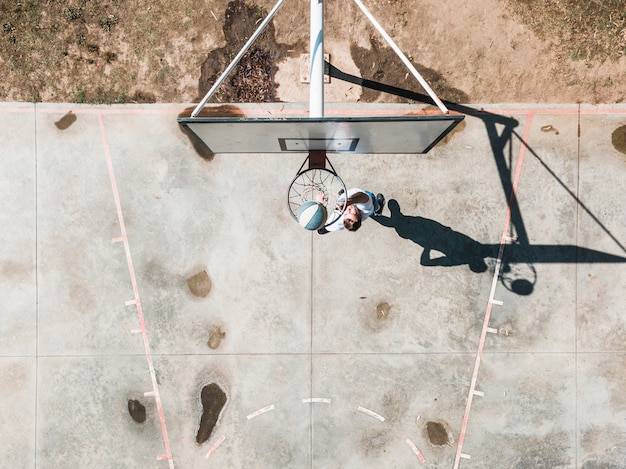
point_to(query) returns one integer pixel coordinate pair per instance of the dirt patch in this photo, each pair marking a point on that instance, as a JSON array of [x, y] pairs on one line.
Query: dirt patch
[[376, 318], [382, 310], [213, 401], [215, 338], [66, 121], [253, 78], [439, 434], [98, 51], [618, 139], [200, 284], [549, 128], [137, 411]]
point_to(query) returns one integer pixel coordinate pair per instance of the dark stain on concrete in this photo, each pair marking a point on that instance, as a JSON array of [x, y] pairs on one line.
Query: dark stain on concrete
[[225, 110], [439, 433], [375, 319], [383, 310], [375, 442], [213, 401], [66, 121], [215, 337], [460, 127], [137, 411], [200, 147], [618, 139], [395, 404], [549, 128], [200, 284]]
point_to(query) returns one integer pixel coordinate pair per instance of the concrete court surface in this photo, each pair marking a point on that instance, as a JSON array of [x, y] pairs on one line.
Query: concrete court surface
[[484, 311]]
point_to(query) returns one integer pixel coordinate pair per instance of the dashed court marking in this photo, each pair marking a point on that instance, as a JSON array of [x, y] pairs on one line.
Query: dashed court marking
[[492, 330], [496, 302], [133, 280], [465, 456], [136, 331], [416, 451], [215, 446], [130, 302], [479, 353], [478, 393], [119, 239], [148, 394], [260, 411], [316, 399], [371, 413]]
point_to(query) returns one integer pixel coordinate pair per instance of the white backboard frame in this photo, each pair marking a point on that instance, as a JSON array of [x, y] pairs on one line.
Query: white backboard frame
[[413, 134]]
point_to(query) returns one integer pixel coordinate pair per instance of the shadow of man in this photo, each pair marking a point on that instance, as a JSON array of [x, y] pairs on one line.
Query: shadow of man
[[456, 248]]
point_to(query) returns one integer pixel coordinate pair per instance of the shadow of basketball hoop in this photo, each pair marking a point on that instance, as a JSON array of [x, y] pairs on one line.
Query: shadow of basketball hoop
[[518, 273], [519, 278], [444, 247]]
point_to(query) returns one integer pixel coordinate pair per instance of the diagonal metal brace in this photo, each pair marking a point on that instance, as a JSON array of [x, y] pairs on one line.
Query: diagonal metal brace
[[402, 57]]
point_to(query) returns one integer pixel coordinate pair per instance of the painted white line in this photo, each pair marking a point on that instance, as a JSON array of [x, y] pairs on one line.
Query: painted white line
[[492, 330], [316, 399], [133, 281], [163, 456], [371, 413], [496, 302], [215, 446], [148, 394], [136, 331], [465, 456], [130, 302], [416, 451], [478, 393], [119, 239], [260, 411]]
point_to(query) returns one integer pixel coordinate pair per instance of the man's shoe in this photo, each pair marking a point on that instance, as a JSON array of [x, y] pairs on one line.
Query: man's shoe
[[380, 204]]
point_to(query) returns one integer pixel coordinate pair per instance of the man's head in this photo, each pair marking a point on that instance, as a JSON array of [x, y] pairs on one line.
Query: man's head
[[352, 218]]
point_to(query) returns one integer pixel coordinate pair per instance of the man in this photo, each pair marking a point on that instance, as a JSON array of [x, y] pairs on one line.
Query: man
[[360, 206]]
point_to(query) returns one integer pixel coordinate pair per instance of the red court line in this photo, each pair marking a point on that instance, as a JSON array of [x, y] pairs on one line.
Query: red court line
[[303, 112], [133, 279], [483, 335]]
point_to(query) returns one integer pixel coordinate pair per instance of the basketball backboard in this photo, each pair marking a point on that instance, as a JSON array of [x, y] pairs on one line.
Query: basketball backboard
[[404, 134]]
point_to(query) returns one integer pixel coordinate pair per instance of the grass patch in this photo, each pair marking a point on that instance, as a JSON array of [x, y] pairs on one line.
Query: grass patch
[[590, 30]]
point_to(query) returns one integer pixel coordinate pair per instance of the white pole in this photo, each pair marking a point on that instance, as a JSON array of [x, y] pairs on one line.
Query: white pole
[[403, 57], [236, 60], [316, 90]]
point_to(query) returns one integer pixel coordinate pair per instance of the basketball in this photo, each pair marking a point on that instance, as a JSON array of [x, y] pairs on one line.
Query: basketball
[[312, 215]]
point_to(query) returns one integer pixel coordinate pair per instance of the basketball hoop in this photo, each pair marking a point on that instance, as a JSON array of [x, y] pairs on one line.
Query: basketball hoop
[[316, 178]]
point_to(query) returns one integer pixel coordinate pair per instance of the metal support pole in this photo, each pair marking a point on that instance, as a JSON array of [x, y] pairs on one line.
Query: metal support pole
[[403, 57], [316, 90], [236, 60]]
